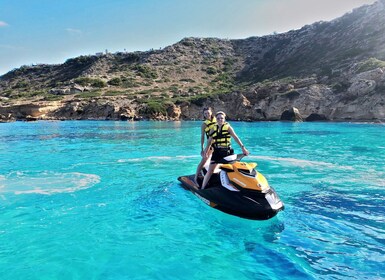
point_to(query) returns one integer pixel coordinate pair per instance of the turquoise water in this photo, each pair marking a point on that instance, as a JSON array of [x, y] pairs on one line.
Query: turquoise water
[[101, 200]]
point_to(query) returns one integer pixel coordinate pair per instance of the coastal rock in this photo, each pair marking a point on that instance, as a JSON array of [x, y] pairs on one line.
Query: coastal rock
[[374, 75], [382, 79], [291, 114], [67, 90], [362, 87], [259, 114], [60, 91], [305, 82], [127, 114], [76, 89], [7, 118], [360, 108], [29, 110], [313, 99], [174, 112], [316, 117], [31, 118]]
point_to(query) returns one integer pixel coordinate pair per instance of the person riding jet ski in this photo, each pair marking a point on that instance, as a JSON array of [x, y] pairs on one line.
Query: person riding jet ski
[[206, 128], [220, 141], [238, 189], [232, 186]]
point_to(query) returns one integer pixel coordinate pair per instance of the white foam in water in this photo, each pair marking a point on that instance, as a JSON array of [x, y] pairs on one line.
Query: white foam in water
[[46, 182], [302, 162], [157, 158]]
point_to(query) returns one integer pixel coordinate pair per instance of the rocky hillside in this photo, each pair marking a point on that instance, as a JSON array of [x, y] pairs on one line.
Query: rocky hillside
[[327, 70]]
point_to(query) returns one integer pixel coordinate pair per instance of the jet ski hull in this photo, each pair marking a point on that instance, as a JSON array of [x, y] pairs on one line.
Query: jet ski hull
[[248, 204]]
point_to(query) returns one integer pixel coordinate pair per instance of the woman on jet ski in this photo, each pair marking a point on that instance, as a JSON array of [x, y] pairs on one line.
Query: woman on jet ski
[[220, 140], [206, 127]]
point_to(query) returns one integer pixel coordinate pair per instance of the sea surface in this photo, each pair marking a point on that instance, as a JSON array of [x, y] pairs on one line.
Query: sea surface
[[101, 200]]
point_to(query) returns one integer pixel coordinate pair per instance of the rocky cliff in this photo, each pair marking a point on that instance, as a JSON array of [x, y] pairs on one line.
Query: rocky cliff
[[325, 71]]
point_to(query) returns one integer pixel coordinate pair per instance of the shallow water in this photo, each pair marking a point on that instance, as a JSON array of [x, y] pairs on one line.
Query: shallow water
[[100, 200]]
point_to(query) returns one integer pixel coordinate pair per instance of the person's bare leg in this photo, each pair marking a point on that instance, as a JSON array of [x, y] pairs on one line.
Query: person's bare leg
[[199, 168], [202, 164], [208, 175]]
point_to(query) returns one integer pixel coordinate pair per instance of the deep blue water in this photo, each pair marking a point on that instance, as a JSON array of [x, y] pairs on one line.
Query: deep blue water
[[101, 200]]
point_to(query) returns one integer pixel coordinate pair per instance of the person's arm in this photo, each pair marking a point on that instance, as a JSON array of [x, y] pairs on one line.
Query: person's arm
[[236, 138], [203, 127], [209, 142]]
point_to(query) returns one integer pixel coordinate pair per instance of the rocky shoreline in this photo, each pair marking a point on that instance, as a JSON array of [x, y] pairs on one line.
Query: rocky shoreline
[[302, 100], [298, 100]]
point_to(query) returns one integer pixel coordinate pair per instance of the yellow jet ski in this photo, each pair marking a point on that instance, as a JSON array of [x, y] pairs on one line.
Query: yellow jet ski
[[238, 189]]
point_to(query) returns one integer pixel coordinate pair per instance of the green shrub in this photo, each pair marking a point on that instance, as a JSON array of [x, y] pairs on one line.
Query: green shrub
[[174, 89], [228, 64], [113, 93], [98, 83], [86, 81], [26, 94], [370, 64], [53, 97], [147, 91], [187, 43], [115, 81], [145, 71], [199, 100], [129, 82], [7, 93], [155, 107], [287, 80], [88, 94], [211, 70], [83, 81], [21, 84], [215, 50], [224, 77], [81, 60], [187, 80]]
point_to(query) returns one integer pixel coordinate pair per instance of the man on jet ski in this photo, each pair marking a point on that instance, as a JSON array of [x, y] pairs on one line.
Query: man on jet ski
[[206, 127], [220, 140]]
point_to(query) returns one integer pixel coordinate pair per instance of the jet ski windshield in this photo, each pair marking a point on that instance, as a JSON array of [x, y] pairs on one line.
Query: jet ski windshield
[[233, 158]]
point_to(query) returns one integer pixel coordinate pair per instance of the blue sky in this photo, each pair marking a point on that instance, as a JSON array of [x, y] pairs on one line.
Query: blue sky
[[51, 31]]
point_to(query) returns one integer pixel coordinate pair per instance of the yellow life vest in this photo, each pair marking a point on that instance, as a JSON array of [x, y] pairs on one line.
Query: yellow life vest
[[209, 125], [222, 137]]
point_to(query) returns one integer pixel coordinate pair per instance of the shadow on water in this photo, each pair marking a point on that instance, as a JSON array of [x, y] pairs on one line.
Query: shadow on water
[[277, 263]]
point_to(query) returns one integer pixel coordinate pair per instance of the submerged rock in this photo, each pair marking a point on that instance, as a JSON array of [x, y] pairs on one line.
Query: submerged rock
[[292, 114]]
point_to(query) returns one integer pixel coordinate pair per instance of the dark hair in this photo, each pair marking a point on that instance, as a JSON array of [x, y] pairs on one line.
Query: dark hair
[[207, 109]]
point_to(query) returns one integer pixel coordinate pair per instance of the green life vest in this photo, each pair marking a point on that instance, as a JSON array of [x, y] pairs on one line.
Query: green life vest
[[222, 137], [209, 125]]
